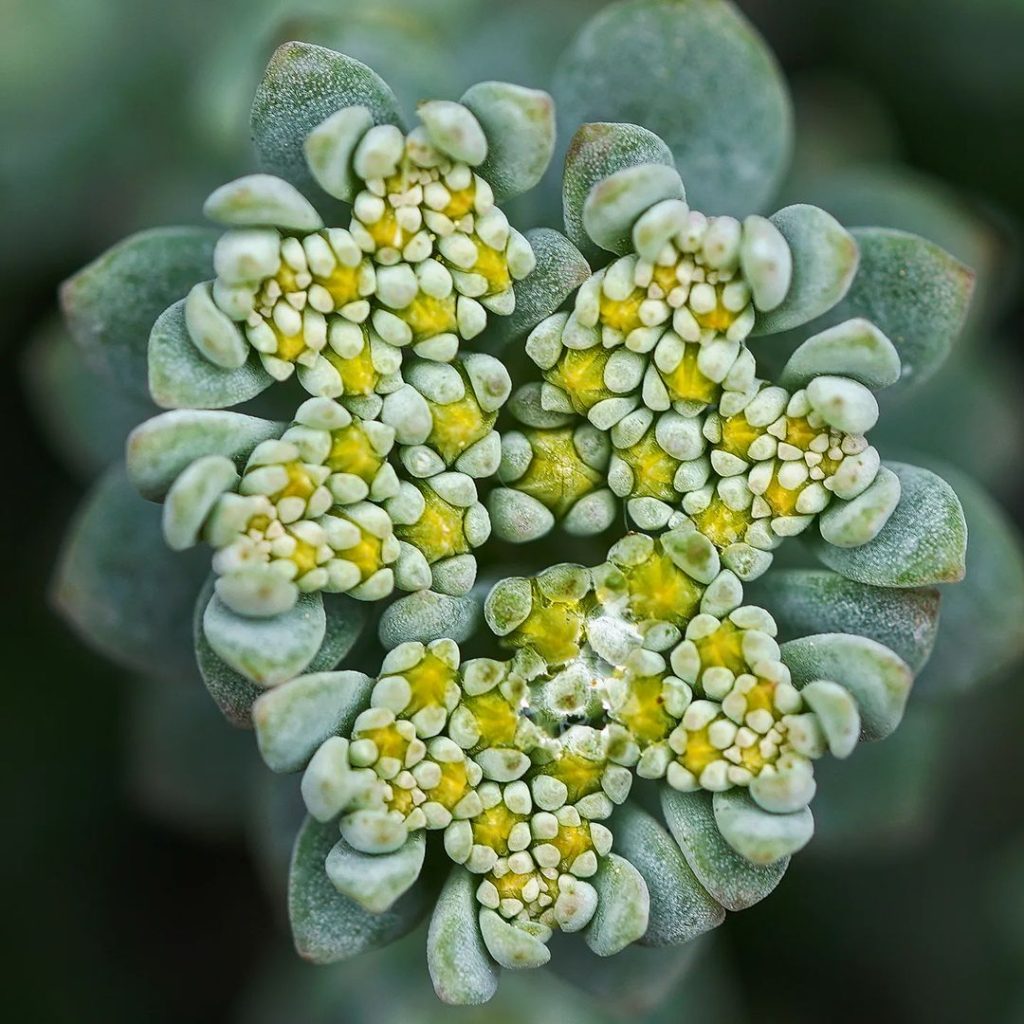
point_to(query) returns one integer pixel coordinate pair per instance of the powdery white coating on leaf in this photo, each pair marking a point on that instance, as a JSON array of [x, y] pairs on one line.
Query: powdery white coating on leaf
[[427, 615], [520, 128], [158, 450], [757, 835], [855, 348], [180, 377], [461, 969], [681, 909], [982, 630], [623, 907], [695, 72], [924, 541], [825, 261], [122, 589], [112, 304], [879, 680], [915, 292], [596, 151], [293, 719], [560, 270], [267, 651], [302, 86], [232, 692], [805, 601], [728, 877], [327, 926], [376, 881]]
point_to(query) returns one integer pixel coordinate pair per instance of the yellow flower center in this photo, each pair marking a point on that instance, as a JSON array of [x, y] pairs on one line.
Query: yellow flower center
[[358, 374], [699, 752], [580, 775], [352, 452], [428, 316], [643, 711], [687, 383], [580, 374], [439, 531], [429, 681], [722, 525], [653, 468], [496, 719], [454, 784], [458, 425], [557, 476], [492, 827], [659, 590], [571, 841], [723, 649], [624, 314]]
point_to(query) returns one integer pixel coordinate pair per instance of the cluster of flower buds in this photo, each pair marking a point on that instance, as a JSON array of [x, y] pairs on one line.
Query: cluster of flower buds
[[425, 259], [330, 506], [646, 665]]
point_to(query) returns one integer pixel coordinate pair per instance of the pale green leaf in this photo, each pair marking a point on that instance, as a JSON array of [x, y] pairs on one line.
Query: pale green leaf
[[756, 834], [879, 680], [924, 542], [179, 377], [302, 86], [112, 304], [806, 601], [327, 926], [732, 880], [697, 73]]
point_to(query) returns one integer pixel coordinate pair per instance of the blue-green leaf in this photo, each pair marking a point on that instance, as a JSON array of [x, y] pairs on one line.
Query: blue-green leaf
[[121, 587], [913, 291], [159, 449], [732, 880], [806, 601], [982, 624], [681, 909], [924, 542], [697, 73], [179, 377], [757, 835], [327, 926], [560, 270], [879, 680], [112, 304], [597, 151], [301, 87]]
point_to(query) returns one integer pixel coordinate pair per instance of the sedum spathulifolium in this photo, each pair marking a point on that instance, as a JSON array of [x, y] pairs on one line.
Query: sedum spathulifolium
[[622, 747]]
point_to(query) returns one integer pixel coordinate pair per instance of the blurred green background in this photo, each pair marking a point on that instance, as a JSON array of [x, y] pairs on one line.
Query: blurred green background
[[132, 890]]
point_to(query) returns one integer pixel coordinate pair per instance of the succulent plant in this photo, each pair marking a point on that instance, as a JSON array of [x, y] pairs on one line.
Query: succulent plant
[[623, 747]]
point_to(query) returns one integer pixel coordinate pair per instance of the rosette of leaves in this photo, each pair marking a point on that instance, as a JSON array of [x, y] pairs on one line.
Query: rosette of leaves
[[598, 692]]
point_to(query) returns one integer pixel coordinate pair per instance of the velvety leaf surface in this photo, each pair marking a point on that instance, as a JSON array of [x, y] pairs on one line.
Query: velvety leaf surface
[[327, 926], [731, 879], [179, 377], [924, 542], [681, 909], [697, 74], [806, 601], [981, 631], [159, 449], [112, 304], [303, 85], [121, 588], [879, 680]]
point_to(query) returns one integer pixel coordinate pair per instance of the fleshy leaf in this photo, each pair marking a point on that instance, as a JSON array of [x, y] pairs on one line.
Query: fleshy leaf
[[513, 947], [327, 926], [426, 616], [878, 678], [180, 377], [85, 427], [293, 719], [825, 261], [981, 633], [520, 128], [112, 304], [267, 651], [806, 601], [461, 969], [732, 880], [302, 86], [162, 447], [699, 76], [376, 881], [855, 348], [597, 151], [756, 834], [912, 290], [560, 270], [623, 907], [121, 587], [680, 907], [924, 541]]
